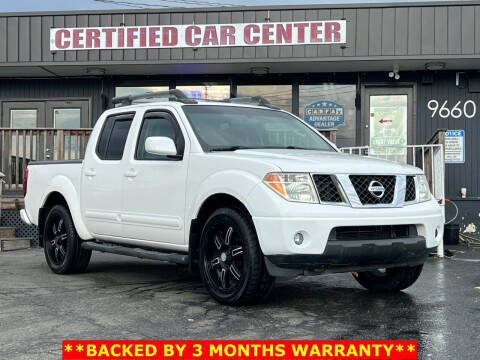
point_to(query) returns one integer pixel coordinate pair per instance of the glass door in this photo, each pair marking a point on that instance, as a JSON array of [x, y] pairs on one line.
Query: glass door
[[387, 122]]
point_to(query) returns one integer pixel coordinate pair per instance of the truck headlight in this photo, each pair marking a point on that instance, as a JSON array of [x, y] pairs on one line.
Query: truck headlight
[[292, 186], [423, 188]]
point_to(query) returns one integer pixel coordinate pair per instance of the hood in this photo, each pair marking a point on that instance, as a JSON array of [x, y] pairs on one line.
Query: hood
[[328, 162]]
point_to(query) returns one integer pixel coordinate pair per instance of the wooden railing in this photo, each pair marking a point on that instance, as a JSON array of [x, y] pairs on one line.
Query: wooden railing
[[20, 146]]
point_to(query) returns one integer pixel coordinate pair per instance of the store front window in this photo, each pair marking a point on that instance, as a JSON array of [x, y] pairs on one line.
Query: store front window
[[330, 107], [278, 95], [201, 91]]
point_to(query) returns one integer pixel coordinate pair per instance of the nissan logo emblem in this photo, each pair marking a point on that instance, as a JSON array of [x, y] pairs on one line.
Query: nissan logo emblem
[[376, 189]]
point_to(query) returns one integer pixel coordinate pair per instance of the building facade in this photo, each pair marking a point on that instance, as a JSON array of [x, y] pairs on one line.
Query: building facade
[[376, 74]]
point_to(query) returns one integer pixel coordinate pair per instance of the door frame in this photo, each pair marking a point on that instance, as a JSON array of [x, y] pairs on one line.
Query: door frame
[[45, 101], [405, 88]]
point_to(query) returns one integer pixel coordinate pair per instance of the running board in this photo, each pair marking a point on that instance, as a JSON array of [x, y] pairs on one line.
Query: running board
[[137, 252]]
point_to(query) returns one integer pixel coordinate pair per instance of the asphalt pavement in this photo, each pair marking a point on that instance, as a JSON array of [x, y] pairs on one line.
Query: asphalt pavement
[[127, 298]]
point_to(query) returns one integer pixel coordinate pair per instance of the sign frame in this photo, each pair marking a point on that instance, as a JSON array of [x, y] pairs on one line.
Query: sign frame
[[458, 134], [320, 32]]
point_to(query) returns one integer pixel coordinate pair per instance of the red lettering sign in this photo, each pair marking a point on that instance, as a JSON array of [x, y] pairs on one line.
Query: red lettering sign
[[200, 35], [92, 39], [170, 36], [210, 37], [192, 37], [332, 30], [60, 37], [227, 35], [249, 39], [301, 32]]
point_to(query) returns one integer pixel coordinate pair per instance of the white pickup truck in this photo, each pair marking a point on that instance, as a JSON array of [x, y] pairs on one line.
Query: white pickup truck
[[240, 193]]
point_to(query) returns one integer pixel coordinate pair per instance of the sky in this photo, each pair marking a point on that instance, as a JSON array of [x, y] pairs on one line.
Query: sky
[[51, 5]]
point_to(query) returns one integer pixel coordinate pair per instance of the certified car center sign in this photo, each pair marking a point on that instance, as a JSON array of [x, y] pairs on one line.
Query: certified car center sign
[[324, 114], [184, 36]]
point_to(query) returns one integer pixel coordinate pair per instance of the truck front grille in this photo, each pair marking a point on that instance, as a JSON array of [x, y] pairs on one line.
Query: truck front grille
[[345, 233], [362, 183], [410, 191], [327, 189]]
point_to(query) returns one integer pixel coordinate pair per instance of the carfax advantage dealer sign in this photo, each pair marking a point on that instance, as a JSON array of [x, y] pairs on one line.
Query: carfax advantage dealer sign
[[184, 36]]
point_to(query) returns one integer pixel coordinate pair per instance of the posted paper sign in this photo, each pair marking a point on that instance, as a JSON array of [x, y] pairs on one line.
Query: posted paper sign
[[455, 146]]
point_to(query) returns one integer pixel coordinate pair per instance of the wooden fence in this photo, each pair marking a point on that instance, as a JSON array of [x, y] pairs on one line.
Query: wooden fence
[[20, 146]]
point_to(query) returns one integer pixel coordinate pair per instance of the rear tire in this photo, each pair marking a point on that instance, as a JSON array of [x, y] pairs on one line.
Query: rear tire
[[231, 261], [62, 245], [391, 280]]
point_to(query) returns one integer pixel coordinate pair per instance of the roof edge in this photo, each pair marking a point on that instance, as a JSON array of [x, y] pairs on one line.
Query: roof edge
[[245, 8]]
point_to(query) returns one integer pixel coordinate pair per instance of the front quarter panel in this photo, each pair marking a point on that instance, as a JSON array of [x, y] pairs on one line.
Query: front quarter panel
[[236, 183], [211, 174]]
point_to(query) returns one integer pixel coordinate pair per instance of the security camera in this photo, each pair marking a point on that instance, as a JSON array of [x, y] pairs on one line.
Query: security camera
[[397, 76], [391, 74]]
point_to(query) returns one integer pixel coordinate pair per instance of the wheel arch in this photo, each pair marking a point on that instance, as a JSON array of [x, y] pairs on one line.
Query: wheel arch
[[62, 192], [208, 206]]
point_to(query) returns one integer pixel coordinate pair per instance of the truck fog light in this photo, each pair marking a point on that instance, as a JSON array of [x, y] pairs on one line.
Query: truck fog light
[[298, 238]]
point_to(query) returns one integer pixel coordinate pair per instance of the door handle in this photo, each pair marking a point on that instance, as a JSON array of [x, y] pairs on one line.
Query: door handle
[[90, 172], [131, 173]]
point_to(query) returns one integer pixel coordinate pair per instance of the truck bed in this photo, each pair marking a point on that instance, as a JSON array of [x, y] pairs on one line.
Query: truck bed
[[46, 176]]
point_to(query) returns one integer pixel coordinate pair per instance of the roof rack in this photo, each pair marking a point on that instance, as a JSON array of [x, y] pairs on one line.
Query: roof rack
[[178, 95], [171, 95], [257, 100]]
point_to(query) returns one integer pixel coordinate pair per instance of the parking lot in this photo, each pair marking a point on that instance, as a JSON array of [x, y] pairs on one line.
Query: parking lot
[[126, 298]]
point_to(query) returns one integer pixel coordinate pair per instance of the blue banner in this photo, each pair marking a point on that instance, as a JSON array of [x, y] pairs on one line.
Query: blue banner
[[324, 114]]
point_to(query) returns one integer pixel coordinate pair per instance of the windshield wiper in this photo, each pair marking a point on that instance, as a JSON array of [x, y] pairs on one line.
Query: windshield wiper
[[229, 148], [296, 147]]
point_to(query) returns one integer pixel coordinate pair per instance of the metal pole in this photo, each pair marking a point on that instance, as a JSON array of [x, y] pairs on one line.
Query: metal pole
[[440, 250]]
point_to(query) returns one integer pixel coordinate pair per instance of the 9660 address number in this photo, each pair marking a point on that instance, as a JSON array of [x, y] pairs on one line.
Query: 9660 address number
[[467, 109]]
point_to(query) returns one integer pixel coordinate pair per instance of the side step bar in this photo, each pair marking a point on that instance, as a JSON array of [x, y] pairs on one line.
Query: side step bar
[[137, 252]]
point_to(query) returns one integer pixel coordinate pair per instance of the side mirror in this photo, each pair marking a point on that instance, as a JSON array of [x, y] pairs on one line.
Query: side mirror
[[159, 145]]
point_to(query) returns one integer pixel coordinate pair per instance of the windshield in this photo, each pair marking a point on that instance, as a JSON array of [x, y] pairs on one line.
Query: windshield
[[231, 128]]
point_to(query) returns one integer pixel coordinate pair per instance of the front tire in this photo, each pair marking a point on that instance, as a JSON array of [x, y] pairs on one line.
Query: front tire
[[231, 261], [62, 245], [389, 280]]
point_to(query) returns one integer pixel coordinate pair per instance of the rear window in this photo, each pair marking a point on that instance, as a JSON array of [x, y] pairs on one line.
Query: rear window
[[111, 142]]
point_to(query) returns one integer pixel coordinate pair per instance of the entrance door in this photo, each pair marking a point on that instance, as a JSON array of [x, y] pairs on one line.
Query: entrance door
[[387, 121]]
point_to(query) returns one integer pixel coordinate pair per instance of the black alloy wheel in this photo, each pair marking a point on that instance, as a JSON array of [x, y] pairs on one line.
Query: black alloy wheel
[[62, 245], [231, 262], [56, 239], [224, 258]]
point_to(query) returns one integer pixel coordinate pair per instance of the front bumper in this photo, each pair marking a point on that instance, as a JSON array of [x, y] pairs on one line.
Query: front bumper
[[277, 221], [352, 255]]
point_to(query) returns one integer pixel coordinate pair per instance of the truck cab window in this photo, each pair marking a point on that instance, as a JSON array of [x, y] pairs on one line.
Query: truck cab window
[[158, 124], [111, 143]]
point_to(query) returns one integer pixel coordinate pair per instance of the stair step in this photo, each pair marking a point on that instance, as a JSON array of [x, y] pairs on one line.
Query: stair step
[[7, 232], [9, 244]]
